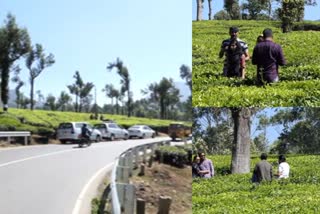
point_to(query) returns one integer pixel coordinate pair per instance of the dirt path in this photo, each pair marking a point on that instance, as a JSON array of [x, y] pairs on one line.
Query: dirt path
[[165, 180]]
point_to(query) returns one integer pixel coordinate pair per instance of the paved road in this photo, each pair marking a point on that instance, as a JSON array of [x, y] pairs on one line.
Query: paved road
[[49, 179]]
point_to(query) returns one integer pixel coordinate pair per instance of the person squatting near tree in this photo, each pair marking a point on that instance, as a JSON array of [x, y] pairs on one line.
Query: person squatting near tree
[[196, 170], [262, 171], [268, 56], [205, 166], [236, 52]]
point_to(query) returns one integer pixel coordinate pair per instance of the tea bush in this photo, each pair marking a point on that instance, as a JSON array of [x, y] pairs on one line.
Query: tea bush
[[299, 79], [236, 194]]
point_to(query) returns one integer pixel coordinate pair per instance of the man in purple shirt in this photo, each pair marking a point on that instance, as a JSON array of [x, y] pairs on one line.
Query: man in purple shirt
[[206, 166], [267, 55]]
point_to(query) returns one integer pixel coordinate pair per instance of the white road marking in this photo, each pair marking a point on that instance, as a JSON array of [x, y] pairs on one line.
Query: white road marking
[[77, 207], [34, 157]]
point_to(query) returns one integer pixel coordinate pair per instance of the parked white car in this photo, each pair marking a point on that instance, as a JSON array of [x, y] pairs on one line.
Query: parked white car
[[112, 131], [141, 131], [71, 131]]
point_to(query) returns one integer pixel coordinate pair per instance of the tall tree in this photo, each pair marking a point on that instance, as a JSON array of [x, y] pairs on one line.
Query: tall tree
[[210, 9], [51, 102], [36, 62], [63, 101], [14, 43], [20, 83], [75, 89], [125, 81], [199, 9], [292, 11], [233, 8], [255, 7], [241, 144], [185, 73]]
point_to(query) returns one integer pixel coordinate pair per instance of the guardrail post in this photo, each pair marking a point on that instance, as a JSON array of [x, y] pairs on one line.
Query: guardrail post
[[144, 153], [123, 174], [127, 200], [129, 162], [9, 140], [137, 158], [25, 140], [141, 204], [164, 204]]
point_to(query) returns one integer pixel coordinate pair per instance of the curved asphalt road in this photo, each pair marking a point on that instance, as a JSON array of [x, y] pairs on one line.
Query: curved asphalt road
[[49, 179]]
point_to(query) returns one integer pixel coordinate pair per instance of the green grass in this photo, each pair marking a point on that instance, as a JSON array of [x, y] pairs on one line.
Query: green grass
[[235, 194], [41, 120], [299, 79]]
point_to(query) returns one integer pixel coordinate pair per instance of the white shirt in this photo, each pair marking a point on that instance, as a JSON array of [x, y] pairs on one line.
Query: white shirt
[[284, 170]]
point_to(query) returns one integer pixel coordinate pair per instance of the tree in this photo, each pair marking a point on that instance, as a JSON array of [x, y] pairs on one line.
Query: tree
[[241, 144], [20, 83], [222, 15], [210, 9], [63, 101], [14, 43], [81, 90], [185, 73], [233, 9], [199, 9], [254, 7], [125, 81], [36, 56], [292, 11], [51, 102], [111, 92]]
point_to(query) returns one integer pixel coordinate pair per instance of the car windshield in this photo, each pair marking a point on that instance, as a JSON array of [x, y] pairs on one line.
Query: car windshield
[[135, 127], [65, 126], [99, 126]]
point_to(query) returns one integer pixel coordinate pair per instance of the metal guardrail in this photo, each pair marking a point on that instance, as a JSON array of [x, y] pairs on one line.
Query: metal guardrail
[[10, 134], [116, 202]]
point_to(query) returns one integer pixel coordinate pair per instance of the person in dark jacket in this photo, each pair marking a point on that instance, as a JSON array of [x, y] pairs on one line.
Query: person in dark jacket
[[268, 56], [262, 170], [85, 132]]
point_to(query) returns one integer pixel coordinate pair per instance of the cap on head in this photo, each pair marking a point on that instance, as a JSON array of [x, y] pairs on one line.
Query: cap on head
[[267, 33], [233, 29]]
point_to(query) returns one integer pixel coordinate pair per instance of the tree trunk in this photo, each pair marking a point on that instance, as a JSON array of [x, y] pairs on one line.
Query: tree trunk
[[199, 10], [31, 92], [209, 4], [241, 144], [129, 104], [4, 86]]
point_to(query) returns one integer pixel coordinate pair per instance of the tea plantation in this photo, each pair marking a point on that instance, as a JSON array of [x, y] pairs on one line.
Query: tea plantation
[[299, 80], [236, 194]]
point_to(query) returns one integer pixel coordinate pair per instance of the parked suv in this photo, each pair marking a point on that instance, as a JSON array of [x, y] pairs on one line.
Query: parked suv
[[111, 131], [71, 131]]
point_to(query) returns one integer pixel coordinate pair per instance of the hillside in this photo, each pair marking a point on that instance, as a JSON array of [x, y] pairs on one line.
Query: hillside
[[235, 194], [299, 79], [44, 122]]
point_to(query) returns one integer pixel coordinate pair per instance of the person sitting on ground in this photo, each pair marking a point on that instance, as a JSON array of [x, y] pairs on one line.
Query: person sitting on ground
[[262, 170], [206, 166], [284, 168]]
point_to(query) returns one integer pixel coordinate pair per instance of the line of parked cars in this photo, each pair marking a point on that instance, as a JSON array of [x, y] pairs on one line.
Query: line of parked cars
[[71, 131]]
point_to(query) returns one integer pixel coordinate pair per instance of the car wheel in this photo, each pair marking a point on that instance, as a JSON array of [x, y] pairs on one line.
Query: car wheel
[[112, 137], [98, 138], [143, 136], [126, 137], [153, 135]]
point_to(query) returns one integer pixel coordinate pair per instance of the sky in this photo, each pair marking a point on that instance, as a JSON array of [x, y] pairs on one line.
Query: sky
[[311, 12], [152, 38]]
